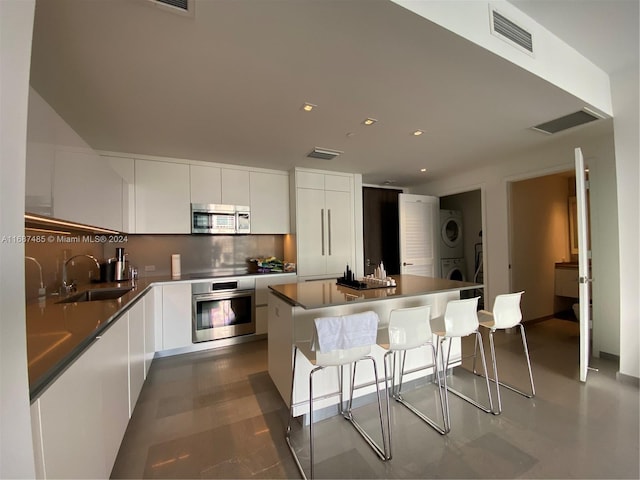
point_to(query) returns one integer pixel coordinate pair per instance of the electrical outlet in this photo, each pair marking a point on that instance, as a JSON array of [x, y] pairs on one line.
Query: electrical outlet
[[149, 268]]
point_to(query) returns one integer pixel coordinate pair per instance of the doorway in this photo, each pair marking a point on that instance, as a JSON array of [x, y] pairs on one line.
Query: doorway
[[540, 245], [467, 206], [543, 257], [381, 224]]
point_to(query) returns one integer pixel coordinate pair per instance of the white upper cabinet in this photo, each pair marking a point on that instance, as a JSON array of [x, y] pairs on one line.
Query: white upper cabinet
[[125, 168], [205, 184], [162, 197], [86, 189], [65, 178], [235, 187], [219, 185], [269, 202]]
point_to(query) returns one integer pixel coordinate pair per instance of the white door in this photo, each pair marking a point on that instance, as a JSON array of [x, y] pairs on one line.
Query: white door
[[419, 221], [583, 262]]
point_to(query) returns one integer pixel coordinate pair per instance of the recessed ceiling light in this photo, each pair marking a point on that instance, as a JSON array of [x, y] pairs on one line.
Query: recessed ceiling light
[[423, 169], [369, 121], [417, 133], [307, 107]]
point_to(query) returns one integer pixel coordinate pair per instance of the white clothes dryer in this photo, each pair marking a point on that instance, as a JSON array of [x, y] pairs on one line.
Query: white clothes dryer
[[453, 269], [451, 234]]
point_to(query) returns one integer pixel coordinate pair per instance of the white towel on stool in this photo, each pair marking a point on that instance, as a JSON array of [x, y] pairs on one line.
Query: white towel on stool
[[344, 332]]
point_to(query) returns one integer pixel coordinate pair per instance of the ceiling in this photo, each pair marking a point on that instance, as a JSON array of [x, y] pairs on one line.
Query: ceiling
[[227, 85]]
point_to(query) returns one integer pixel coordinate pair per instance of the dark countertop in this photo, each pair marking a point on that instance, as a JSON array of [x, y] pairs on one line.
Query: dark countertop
[[326, 293], [57, 333]]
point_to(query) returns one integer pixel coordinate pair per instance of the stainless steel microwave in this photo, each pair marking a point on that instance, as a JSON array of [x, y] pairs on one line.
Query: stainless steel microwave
[[220, 219]]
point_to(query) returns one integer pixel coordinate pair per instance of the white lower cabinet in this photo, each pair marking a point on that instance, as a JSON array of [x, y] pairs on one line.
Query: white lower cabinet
[[137, 371], [83, 415], [176, 316]]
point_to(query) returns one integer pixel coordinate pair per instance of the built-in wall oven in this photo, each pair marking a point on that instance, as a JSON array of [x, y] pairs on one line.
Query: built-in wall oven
[[223, 309]]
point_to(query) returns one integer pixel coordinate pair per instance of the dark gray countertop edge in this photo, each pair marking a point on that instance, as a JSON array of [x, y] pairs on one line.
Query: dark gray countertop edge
[[41, 384]]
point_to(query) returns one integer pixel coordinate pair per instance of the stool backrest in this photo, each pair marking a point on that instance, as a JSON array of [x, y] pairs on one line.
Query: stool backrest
[[409, 327], [506, 310], [461, 317], [344, 339]]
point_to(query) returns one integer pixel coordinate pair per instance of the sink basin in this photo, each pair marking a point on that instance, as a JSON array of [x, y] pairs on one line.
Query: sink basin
[[97, 294]]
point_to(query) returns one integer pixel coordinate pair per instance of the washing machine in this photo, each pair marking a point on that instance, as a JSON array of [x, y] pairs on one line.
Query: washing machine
[[453, 269], [451, 234]]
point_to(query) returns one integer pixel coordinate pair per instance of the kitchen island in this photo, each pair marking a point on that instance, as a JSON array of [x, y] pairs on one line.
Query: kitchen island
[[294, 306]]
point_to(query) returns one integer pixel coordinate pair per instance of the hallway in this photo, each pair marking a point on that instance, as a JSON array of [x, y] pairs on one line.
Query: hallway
[[217, 415]]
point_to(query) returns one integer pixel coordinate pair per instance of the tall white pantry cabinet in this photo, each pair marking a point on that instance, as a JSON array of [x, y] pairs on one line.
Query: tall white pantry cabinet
[[325, 222]]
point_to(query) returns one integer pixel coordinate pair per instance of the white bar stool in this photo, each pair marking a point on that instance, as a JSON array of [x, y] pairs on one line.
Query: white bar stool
[[408, 329], [460, 319], [506, 314], [355, 334]]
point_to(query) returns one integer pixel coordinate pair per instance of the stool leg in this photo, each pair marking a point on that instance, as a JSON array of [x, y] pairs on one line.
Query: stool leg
[[383, 452], [401, 375], [443, 377], [484, 366], [288, 431], [386, 359], [495, 371], [442, 407], [526, 352], [311, 460], [475, 355]]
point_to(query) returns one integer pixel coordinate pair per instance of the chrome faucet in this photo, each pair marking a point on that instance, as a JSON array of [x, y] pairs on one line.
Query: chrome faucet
[[71, 287]]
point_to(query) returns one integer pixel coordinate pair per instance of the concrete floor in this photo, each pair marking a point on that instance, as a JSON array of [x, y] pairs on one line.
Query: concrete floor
[[217, 415]]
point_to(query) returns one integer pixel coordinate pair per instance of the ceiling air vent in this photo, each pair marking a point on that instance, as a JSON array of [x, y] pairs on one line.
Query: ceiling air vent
[[504, 28], [568, 121], [177, 6], [324, 153]]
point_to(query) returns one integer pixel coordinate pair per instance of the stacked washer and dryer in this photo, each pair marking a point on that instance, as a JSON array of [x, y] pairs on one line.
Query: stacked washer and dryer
[[452, 264]]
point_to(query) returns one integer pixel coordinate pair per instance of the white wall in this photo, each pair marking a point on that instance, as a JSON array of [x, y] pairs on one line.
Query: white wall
[[557, 156], [16, 448], [625, 102]]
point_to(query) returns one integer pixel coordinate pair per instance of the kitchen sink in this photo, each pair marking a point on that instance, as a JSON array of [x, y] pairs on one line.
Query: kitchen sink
[[96, 295]]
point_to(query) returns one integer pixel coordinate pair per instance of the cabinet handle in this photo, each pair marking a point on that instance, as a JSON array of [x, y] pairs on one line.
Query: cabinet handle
[[322, 227], [329, 222], [404, 264]]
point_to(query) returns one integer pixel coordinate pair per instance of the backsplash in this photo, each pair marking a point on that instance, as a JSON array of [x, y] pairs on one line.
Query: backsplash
[[150, 254]]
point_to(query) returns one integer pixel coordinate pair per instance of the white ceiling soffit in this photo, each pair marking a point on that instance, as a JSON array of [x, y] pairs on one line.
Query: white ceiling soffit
[[226, 84]]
